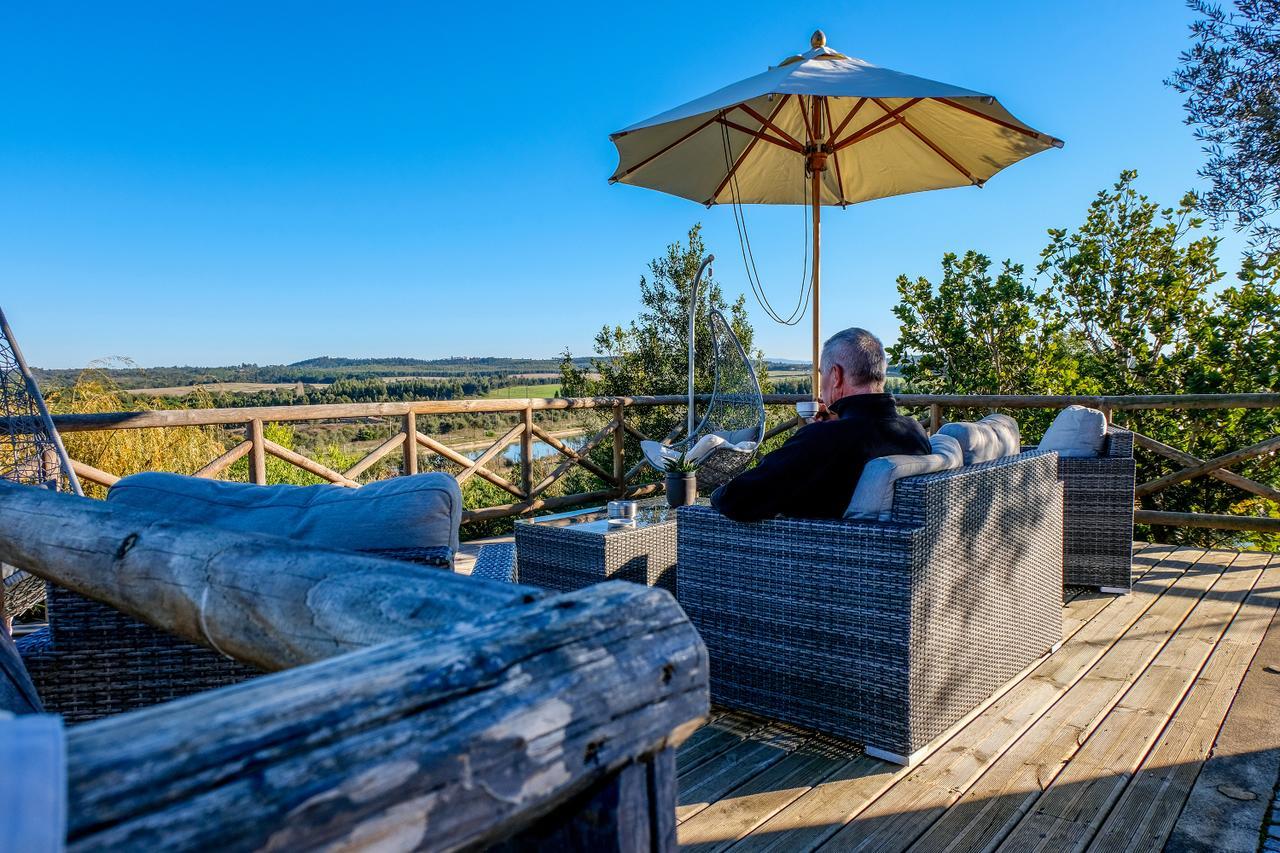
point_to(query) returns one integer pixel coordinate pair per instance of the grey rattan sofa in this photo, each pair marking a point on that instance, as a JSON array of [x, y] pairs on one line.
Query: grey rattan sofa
[[884, 632], [1098, 523]]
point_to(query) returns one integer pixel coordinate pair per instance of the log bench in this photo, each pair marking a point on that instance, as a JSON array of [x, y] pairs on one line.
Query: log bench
[[405, 709]]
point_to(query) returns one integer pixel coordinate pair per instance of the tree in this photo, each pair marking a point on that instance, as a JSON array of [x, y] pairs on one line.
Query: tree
[[1124, 306], [1231, 77], [649, 355], [973, 333], [1128, 289]]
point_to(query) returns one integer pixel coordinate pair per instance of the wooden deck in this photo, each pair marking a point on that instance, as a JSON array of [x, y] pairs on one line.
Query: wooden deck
[[1101, 746]]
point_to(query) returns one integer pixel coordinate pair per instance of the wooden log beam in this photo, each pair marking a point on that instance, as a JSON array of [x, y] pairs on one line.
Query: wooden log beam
[[560, 502], [372, 458], [561, 447], [591, 444], [93, 475], [226, 460], [526, 452], [260, 599], [619, 477], [477, 464], [785, 426], [453, 739], [338, 411], [1260, 489], [1271, 445], [1199, 519], [309, 465], [409, 430], [458, 459], [257, 452]]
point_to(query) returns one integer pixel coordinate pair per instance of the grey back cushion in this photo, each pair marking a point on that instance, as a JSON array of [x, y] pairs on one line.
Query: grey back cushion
[[993, 437], [1077, 431], [873, 496], [421, 511]]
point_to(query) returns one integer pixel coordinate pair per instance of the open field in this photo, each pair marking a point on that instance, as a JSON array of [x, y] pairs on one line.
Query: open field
[[517, 391]]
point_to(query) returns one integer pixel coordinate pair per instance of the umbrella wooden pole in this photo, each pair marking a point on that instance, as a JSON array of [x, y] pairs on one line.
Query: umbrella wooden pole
[[817, 282], [817, 162]]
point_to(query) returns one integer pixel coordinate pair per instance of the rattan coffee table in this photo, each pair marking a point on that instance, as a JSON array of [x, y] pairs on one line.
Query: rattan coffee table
[[572, 550]]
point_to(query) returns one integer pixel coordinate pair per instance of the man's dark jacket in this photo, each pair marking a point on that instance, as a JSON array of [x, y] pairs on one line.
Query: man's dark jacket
[[813, 475]]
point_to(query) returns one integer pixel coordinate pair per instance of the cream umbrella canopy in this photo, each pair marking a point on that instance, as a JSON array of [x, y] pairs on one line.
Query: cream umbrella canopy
[[819, 129]]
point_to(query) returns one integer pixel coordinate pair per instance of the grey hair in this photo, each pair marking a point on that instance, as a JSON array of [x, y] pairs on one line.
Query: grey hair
[[860, 353]]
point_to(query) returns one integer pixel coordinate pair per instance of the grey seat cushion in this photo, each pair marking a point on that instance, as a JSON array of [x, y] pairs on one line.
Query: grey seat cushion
[[422, 511]]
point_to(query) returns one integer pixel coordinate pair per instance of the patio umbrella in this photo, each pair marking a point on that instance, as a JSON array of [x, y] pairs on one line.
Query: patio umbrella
[[819, 129]]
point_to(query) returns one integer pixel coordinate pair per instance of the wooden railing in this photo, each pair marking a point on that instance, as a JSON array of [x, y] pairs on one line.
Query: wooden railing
[[530, 494]]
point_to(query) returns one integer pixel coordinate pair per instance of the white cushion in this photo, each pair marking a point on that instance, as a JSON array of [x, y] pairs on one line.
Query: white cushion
[[741, 441], [1076, 431], [422, 511], [873, 496], [993, 437]]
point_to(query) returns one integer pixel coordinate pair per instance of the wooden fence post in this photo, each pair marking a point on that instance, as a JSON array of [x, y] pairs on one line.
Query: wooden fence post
[[257, 453], [935, 418], [526, 453], [619, 435], [410, 444]]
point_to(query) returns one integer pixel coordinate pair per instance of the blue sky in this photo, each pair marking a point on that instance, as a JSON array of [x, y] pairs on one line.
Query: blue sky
[[216, 183]]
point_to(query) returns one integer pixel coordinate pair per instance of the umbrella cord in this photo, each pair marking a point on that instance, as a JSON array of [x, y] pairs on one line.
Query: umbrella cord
[[744, 244]]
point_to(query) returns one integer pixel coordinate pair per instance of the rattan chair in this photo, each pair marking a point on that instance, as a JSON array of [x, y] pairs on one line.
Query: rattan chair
[[887, 633], [735, 408], [1098, 515]]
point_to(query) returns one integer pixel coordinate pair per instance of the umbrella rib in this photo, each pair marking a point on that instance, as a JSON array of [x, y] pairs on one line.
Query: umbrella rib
[[646, 161], [935, 148], [742, 158], [768, 122], [839, 179], [804, 114], [758, 134], [1034, 134], [848, 118], [874, 127]]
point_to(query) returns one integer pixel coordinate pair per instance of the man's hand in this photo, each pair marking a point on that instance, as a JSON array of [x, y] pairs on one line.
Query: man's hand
[[824, 414]]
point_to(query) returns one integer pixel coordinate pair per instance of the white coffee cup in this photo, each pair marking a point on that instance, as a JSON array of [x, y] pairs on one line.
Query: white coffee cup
[[808, 409]]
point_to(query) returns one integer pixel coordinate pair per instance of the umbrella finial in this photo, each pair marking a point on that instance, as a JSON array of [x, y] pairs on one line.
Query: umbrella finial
[[818, 39]]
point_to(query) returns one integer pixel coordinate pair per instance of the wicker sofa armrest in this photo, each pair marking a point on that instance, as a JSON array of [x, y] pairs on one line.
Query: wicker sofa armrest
[[1119, 443]]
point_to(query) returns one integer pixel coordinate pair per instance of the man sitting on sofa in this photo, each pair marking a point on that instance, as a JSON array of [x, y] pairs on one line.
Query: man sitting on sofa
[[813, 475]]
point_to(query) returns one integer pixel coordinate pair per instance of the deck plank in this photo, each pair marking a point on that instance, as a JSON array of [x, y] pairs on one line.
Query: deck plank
[[736, 766], [999, 798], [1245, 756], [1072, 808], [1144, 816], [726, 821], [819, 813]]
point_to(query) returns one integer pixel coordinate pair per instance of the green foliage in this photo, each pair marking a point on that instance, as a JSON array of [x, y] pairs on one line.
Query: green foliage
[[182, 450], [1129, 289], [973, 331], [280, 472], [1126, 305], [680, 465], [1231, 77]]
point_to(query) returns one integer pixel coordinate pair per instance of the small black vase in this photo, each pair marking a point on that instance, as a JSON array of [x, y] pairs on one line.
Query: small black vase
[[682, 489]]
